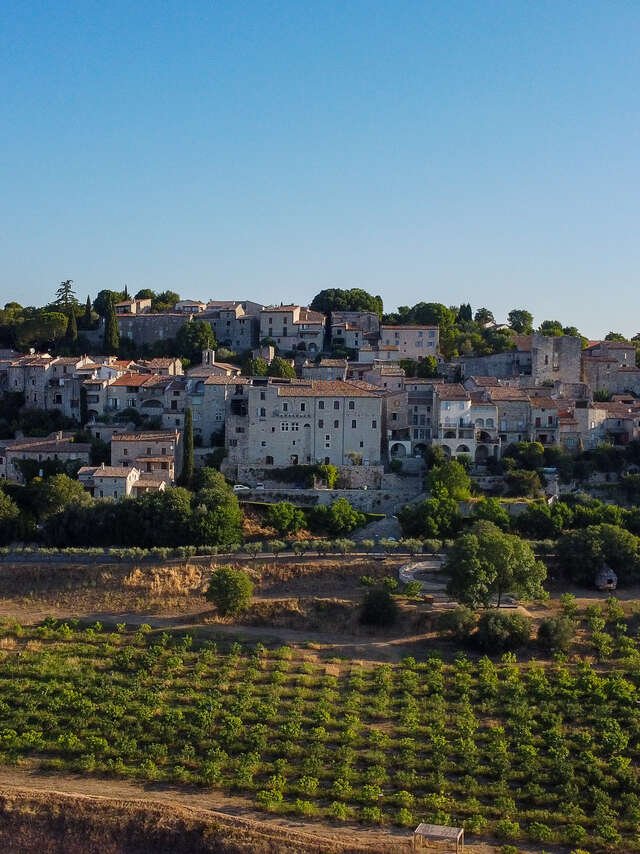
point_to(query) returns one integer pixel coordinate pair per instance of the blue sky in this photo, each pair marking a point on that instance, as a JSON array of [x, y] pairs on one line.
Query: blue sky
[[440, 151]]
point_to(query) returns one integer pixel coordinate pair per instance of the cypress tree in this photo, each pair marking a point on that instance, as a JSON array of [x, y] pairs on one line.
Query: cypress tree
[[71, 335], [87, 319], [186, 475], [111, 335]]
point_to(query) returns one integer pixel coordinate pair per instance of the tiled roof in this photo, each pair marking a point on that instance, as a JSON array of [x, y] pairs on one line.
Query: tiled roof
[[545, 403], [485, 381], [325, 388], [224, 379], [507, 393], [106, 471], [453, 391], [47, 446], [145, 436], [132, 379]]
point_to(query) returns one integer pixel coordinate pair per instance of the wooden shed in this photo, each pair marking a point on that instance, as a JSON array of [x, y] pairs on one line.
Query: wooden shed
[[438, 836]]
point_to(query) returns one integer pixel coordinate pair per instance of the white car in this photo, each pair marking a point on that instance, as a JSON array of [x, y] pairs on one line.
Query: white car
[[259, 487], [240, 487]]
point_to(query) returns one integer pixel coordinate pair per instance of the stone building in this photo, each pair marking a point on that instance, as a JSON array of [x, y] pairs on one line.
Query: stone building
[[287, 422], [57, 446], [154, 452], [325, 369], [150, 328], [555, 359], [116, 482], [293, 327], [133, 306], [411, 341], [235, 324], [353, 329], [465, 423]]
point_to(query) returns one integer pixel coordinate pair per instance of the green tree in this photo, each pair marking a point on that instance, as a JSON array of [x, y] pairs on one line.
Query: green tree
[[186, 475], [111, 333], [487, 564], [339, 518], [435, 517], [491, 510], [451, 476], [87, 317], [522, 483], [9, 519], [551, 328], [483, 315], [41, 329], [71, 335], [555, 634], [285, 517], [104, 299], [498, 630], [145, 293], [279, 367], [230, 590], [65, 297], [164, 301], [194, 337], [254, 367], [527, 455], [521, 321], [55, 493], [354, 299], [379, 608]]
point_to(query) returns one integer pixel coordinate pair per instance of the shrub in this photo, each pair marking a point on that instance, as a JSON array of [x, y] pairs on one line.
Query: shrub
[[556, 633], [379, 608], [285, 518], [459, 623], [230, 590], [412, 589], [372, 815], [507, 829], [540, 832], [498, 631], [339, 811]]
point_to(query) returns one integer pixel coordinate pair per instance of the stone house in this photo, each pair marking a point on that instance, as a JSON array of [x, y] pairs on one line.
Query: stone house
[[465, 423], [133, 306], [108, 481], [325, 369], [170, 367], [190, 306], [354, 329], [411, 341], [57, 446], [514, 414], [287, 422], [545, 419], [235, 324], [151, 327], [154, 452], [293, 327]]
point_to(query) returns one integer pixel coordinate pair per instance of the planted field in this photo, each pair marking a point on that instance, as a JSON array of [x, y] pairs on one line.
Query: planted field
[[541, 753]]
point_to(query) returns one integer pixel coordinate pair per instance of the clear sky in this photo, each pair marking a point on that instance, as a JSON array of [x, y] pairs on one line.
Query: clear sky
[[446, 151]]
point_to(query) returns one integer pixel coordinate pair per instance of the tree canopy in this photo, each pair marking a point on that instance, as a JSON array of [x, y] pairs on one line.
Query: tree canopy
[[353, 299]]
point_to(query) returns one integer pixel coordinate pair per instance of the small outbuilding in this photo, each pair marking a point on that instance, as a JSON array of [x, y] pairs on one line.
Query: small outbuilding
[[606, 579], [438, 836]]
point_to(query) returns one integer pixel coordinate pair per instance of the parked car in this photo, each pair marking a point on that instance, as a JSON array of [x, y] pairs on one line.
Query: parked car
[[240, 487], [259, 487]]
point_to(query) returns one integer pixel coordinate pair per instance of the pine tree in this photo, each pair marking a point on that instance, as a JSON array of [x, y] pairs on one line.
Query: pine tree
[[87, 319], [71, 335], [111, 335], [65, 295], [186, 475], [126, 293]]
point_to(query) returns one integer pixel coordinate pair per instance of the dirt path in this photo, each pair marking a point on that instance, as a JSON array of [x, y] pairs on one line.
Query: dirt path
[[211, 800]]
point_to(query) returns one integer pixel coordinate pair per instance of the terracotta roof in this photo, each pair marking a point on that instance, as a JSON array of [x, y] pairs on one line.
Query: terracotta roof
[[507, 393], [544, 403], [325, 388], [453, 391], [485, 381], [146, 482], [47, 446], [224, 379], [131, 379]]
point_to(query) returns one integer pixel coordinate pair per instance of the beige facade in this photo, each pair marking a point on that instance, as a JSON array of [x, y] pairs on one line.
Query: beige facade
[[108, 481], [282, 423], [293, 327], [156, 453], [465, 424], [411, 342], [235, 324]]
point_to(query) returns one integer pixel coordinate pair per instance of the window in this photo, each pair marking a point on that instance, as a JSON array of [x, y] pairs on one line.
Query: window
[[374, 424], [285, 407], [262, 412], [303, 407], [263, 396], [353, 424], [336, 404], [284, 426], [336, 424], [321, 404], [125, 452], [268, 461], [327, 437], [362, 444], [321, 423], [352, 404], [148, 450], [164, 451], [263, 444]]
